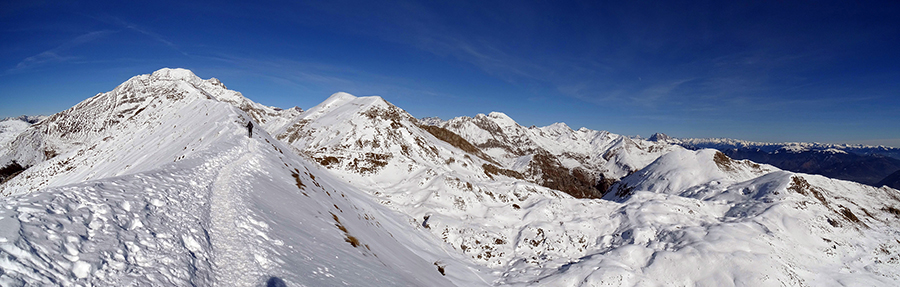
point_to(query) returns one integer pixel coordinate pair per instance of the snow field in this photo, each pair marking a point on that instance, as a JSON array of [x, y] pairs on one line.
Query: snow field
[[355, 193]]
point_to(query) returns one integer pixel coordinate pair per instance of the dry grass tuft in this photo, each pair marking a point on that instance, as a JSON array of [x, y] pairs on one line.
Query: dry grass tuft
[[440, 267], [801, 186], [575, 182], [849, 215], [490, 170], [723, 161], [328, 160], [296, 175], [456, 141], [348, 238]]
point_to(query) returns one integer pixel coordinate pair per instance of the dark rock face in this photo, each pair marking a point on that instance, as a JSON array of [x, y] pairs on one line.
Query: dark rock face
[[11, 170], [551, 174]]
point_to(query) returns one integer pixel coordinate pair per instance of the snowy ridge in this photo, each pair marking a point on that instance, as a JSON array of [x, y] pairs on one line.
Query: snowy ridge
[[158, 183], [205, 221], [132, 128], [204, 208]]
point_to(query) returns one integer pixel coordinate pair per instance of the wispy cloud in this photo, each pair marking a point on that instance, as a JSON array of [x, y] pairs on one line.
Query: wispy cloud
[[318, 77], [156, 37], [142, 30], [59, 53], [63, 53]]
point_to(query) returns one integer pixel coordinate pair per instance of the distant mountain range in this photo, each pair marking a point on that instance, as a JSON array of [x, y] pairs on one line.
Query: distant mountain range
[[174, 180], [860, 163]]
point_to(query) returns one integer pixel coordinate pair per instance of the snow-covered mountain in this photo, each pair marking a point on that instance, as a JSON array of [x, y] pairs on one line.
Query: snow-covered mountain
[[864, 164], [160, 182], [157, 183], [582, 163]]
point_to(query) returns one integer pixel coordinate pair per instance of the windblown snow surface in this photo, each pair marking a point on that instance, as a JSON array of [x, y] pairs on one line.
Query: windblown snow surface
[[157, 183]]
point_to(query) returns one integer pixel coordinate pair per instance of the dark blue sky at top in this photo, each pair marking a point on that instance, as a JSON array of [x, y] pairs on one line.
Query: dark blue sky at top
[[758, 70]]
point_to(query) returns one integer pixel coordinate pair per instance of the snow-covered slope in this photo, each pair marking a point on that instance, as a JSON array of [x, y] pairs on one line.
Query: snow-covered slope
[[687, 171], [182, 196], [687, 206], [355, 191], [705, 219]]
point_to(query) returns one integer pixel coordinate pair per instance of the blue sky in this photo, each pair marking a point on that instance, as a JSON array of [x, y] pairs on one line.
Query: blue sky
[[758, 70]]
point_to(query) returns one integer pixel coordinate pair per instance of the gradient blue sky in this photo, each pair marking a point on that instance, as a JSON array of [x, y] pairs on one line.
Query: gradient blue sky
[[758, 70]]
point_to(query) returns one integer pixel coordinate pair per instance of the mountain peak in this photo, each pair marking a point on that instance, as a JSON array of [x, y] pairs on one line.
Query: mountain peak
[[659, 137], [502, 119], [341, 100], [174, 74], [559, 126], [339, 96]]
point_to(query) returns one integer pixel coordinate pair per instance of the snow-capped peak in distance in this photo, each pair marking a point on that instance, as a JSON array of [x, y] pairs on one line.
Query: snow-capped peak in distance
[[26, 118], [771, 146], [661, 137], [431, 121], [175, 180]]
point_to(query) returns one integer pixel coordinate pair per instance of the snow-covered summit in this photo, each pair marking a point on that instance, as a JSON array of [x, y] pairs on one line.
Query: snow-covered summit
[[131, 111], [661, 137], [501, 119], [170, 74]]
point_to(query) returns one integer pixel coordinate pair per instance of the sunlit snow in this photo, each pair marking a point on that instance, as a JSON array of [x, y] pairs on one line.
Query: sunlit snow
[[158, 183]]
